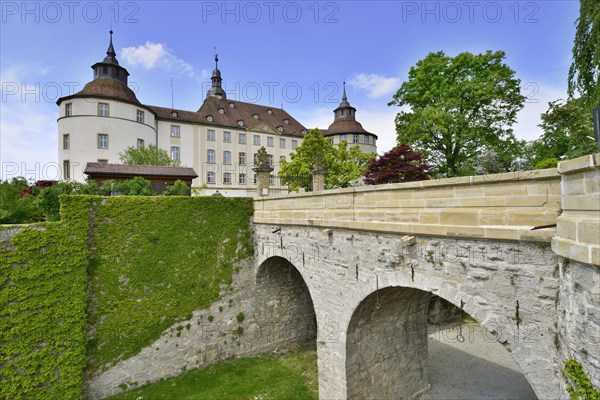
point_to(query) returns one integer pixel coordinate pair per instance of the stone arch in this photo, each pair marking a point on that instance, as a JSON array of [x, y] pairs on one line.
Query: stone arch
[[387, 343], [284, 310]]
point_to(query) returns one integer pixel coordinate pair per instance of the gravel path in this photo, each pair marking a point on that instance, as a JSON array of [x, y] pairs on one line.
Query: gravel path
[[478, 368]]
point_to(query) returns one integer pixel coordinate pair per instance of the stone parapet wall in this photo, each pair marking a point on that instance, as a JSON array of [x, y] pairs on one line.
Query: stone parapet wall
[[501, 206], [578, 227]]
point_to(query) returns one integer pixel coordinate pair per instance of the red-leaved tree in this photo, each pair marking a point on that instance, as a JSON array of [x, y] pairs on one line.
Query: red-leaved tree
[[400, 164]]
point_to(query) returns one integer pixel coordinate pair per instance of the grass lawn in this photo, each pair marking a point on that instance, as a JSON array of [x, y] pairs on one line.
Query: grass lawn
[[289, 374]]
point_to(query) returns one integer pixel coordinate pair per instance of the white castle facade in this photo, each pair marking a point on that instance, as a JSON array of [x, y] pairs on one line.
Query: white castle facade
[[219, 140]]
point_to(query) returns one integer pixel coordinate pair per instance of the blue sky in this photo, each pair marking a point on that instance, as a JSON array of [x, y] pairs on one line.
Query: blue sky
[[271, 52]]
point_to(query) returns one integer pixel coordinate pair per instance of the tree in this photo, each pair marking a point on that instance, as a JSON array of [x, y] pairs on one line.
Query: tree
[[15, 206], [458, 106], [178, 188], [136, 186], [147, 155], [568, 133], [400, 164], [343, 165], [584, 73]]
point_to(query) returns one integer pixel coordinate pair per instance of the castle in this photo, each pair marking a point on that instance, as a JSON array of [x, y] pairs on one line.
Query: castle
[[219, 141]]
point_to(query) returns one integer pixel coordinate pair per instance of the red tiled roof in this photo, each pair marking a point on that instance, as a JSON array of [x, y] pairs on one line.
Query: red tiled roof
[[241, 111], [106, 88], [138, 170]]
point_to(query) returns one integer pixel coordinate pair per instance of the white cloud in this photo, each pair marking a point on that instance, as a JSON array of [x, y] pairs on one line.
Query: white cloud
[[157, 55], [375, 85]]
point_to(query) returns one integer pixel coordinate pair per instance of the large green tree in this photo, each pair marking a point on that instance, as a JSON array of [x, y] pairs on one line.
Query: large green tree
[[584, 74], [147, 155], [568, 133], [457, 106], [343, 164]]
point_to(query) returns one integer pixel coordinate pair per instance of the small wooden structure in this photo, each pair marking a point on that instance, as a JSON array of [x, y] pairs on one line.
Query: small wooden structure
[[160, 177]]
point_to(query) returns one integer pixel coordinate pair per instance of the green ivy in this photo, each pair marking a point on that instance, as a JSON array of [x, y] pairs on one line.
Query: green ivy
[[42, 308], [153, 261], [136, 264], [578, 384]]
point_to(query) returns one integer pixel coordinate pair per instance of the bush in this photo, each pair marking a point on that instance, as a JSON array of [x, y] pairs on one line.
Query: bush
[[137, 186], [179, 188], [547, 163], [16, 208]]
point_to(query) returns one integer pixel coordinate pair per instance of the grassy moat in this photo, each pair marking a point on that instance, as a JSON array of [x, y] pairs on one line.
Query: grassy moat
[[286, 374]]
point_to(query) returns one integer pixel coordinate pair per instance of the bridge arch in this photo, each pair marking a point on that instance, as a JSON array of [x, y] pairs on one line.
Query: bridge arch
[[387, 342], [284, 309]]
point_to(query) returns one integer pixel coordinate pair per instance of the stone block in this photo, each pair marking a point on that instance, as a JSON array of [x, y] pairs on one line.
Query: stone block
[[588, 231], [506, 189], [582, 202], [459, 216], [492, 217]]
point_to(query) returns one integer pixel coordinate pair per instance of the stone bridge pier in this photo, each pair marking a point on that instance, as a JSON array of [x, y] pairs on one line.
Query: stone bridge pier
[[371, 291]]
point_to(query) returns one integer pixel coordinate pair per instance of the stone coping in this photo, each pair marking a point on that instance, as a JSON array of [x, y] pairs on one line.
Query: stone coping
[[496, 232], [582, 252], [588, 162]]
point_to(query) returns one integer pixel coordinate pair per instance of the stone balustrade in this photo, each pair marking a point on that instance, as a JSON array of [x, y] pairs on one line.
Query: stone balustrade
[[501, 206]]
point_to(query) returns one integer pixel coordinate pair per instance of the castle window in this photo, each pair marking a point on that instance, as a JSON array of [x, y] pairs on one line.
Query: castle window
[[103, 109], [256, 140], [294, 144], [242, 158], [175, 153], [227, 178], [270, 158], [242, 179], [105, 70], [227, 157], [281, 158], [269, 111], [270, 141], [286, 121], [209, 118], [231, 105], [255, 116], [175, 131], [210, 156], [255, 179], [304, 131], [66, 141], [227, 137], [66, 169], [210, 177], [240, 123], [140, 143], [282, 143], [221, 111], [342, 138], [102, 161], [271, 179], [210, 135], [366, 139], [355, 138], [68, 109], [174, 114], [242, 138], [103, 141], [280, 128], [331, 139], [140, 116]]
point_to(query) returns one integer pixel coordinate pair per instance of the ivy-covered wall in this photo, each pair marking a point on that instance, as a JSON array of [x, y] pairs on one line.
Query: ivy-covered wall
[[42, 307], [153, 260], [106, 280]]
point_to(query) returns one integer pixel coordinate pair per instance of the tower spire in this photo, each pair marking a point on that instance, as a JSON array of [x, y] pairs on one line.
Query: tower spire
[[215, 89], [111, 56], [344, 98]]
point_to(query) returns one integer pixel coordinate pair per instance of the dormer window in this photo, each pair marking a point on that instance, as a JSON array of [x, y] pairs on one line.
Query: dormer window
[[240, 123], [174, 114], [269, 111], [231, 105], [255, 116], [280, 128], [221, 111], [304, 131], [286, 121], [209, 118]]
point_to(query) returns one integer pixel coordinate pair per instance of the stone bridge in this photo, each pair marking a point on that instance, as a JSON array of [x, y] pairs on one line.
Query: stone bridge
[[356, 268]]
